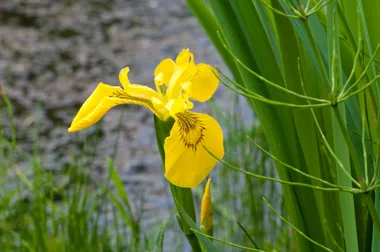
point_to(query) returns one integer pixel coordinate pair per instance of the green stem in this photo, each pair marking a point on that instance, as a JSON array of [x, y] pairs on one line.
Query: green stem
[[263, 79], [227, 242], [182, 196], [285, 182], [317, 54], [294, 227], [351, 148], [294, 168], [372, 212]]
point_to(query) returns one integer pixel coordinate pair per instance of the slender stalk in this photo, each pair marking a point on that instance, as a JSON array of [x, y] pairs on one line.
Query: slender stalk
[[285, 182], [320, 6], [364, 116], [317, 54], [374, 216], [375, 169], [295, 169], [351, 148], [362, 75], [346, 97], [339, 163], [334, 72], [352, 42], [279, 12], [226, 242], [264, 80], [367, 38], [347, 202], [295, 228], [308, 5], [273, 102]]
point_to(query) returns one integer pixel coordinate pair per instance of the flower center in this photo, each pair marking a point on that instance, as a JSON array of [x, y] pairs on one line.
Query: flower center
[[191, 129], [174, 102]]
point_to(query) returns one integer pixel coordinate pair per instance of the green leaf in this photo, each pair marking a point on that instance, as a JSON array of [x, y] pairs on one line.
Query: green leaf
[[159, 246], [120, 188]]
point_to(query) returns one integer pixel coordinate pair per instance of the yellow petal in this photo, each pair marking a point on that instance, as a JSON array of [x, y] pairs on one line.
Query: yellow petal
[[175, 106], [100, 101], [160, 107], [184, 58], [166, 68], [135, 90], [123, 77], [204, 83], [184, 72], [187, 162]]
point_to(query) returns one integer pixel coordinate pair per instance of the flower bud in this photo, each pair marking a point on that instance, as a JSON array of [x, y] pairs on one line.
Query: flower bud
[[206, 210]]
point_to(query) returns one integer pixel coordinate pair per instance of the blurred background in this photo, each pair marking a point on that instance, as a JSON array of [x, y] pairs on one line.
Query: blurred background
[[56, 188]]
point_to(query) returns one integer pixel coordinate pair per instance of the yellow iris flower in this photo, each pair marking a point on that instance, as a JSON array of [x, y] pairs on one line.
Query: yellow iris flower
[[187, 162]]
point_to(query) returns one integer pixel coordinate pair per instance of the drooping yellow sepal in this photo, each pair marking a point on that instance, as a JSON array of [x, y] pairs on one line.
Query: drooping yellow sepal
[[187, 162], [100, 101]]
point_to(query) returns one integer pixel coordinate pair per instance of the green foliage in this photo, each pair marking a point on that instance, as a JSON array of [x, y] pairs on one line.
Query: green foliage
[[310, 72], [47, 210]]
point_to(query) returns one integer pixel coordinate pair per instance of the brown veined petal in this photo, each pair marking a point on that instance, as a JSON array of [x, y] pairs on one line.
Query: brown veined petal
[[100, 101], [187, 162], [204, 83], [166, 67]]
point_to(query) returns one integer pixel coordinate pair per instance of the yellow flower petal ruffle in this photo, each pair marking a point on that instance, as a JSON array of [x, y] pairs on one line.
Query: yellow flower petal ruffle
[[100, 101], [204, 83], [187, 162]]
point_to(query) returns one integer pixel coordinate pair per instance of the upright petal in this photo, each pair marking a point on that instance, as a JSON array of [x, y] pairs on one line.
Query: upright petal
[[187, 162], [204, 82], [184, 58], [100, 101], [166, 68], [135, 90]]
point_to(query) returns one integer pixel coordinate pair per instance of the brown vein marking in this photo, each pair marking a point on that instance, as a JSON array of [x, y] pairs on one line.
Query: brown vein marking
[[191, 129], [120, 94]]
